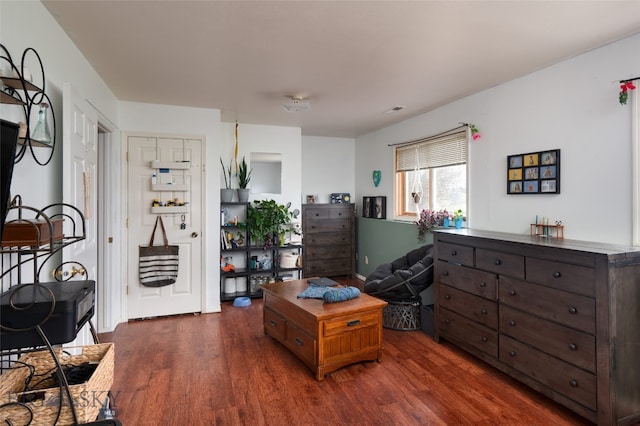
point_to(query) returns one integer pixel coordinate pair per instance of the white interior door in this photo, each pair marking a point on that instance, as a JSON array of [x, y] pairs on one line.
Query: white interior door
[[80, 174], [183, 228]]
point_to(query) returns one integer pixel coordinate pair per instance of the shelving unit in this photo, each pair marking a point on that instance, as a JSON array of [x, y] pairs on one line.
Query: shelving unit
[[248, 277], [167, 187], [547, 231]]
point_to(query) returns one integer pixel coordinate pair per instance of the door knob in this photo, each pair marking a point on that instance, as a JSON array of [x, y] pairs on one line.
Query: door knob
[[194, 235]]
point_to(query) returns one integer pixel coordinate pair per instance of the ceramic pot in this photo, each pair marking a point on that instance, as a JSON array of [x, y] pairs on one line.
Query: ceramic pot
[[226, 195], [243, 195]]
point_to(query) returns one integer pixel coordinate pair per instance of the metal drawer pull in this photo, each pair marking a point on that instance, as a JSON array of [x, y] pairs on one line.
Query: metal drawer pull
[[512, 353], [512, 292], [447, 321], [299, 341], [273, 323], [573, 310], [484, 339], [512, 323], [483, 284], [483, 311], [352, 323], [557, 274], [574, 383], [498, 262], [445, 273], [573, 347], [447, 297], [453, 252]]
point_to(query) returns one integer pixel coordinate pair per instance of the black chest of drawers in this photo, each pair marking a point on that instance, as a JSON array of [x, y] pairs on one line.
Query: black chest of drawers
[[561, 316]]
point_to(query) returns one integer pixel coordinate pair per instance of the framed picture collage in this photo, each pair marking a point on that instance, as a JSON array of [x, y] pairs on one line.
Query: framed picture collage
[[534, 173]]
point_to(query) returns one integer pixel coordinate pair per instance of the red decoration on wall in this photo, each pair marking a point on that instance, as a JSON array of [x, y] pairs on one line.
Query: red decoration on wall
[[626, 85]]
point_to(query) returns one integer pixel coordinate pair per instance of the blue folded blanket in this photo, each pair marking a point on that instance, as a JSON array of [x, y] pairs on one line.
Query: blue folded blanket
[[329, 294]]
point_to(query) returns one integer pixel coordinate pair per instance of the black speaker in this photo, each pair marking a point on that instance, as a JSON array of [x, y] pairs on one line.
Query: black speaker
[[8, 144]]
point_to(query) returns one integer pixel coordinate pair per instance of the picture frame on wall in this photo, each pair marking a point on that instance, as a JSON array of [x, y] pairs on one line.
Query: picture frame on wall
[[366, 206], [534, 172], [380, 208]]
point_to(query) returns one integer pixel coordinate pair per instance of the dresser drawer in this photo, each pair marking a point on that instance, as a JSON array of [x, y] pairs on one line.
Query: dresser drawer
[[313, 213], [328, 238], [302, 344], [473, 307], [346, 324], [274, 324], [563, 276], [342, 212], [464, 330], [473, 281], [572, 346], [568, 309], [313, 268], [328, 252], [570, 381], [511, 265], [335, 225], [455, 253]]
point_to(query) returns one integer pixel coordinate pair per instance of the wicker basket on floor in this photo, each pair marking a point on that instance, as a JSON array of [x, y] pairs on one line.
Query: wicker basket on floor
[[403, 316], [88, 397]]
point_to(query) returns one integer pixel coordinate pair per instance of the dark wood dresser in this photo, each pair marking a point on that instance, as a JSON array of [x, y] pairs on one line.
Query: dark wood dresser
[[329, 240], [562, 316]]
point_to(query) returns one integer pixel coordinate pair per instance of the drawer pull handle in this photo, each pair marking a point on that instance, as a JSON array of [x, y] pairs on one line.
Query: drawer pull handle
[[484, 339], [299, 341], [483, 311], [453, 252], [483, 284], [273, 323], [512, 292], [512, 353], [353, 322], [512, 323], [573, 310], [447, 321], [557, 274], [445, 273], [574, 383], [573, 347], [498, 262], [447, 297]]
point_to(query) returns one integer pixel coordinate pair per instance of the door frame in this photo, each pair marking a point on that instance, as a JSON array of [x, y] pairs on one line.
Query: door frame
[[124, 208]]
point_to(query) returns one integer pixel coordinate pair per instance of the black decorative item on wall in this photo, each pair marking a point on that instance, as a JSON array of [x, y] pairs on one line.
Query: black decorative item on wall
[[374, 207], [534, 173]]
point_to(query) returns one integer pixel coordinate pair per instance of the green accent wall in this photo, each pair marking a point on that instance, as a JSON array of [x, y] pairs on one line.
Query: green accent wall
[[382, 241]]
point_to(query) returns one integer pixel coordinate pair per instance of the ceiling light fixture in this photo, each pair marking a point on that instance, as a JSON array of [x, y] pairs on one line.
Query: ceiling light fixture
[[297, 104], [395, 109]]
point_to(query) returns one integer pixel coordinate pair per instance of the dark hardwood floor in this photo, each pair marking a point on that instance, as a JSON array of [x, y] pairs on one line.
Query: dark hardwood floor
[[221, 369]]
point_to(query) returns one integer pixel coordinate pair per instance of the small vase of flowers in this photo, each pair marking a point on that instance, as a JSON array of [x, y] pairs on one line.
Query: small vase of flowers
[[428, 220]]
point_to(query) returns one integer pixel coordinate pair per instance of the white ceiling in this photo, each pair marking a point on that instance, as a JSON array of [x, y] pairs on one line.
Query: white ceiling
[[353, 60]]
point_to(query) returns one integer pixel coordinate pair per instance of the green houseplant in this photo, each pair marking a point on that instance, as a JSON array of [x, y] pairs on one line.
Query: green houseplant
[[226, 193], [244, 177], [266, 218]]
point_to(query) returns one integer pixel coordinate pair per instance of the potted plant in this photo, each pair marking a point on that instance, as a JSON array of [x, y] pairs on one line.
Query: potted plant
[[226, 194], [244, 176], [458, 217], [266, 219]]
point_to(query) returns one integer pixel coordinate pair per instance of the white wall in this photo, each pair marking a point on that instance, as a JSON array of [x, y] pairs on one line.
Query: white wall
[[175, 120], [572, 106], [270, 139], [327, 167]]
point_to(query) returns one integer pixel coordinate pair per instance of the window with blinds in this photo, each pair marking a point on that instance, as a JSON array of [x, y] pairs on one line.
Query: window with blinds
[[431, 173]]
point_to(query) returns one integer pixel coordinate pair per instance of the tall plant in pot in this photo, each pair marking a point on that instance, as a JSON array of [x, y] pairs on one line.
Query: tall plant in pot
[[226, 193], [244, 177], [266, 220]]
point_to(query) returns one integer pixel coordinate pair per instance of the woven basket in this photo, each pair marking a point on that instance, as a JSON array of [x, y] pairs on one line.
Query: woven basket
[[88, 397], [403, 316]]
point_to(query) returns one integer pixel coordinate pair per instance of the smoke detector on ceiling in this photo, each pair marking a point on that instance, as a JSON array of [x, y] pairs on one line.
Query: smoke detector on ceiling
[[296, 104]]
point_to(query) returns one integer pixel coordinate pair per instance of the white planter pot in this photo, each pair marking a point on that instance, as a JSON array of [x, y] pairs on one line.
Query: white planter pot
[[227, 195], [243, 195]]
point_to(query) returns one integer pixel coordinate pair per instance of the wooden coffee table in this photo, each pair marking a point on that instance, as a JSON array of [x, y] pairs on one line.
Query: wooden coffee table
[[325, 336]]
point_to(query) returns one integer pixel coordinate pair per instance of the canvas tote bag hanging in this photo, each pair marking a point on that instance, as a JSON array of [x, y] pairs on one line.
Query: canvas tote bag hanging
[[158, 264]]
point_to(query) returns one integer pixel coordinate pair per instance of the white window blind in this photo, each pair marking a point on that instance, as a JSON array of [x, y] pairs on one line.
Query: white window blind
[[439, 151]]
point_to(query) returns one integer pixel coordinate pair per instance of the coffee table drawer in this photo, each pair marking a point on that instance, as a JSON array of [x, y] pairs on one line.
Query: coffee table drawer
[[274, 324], [349, 323], [302, 344]]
